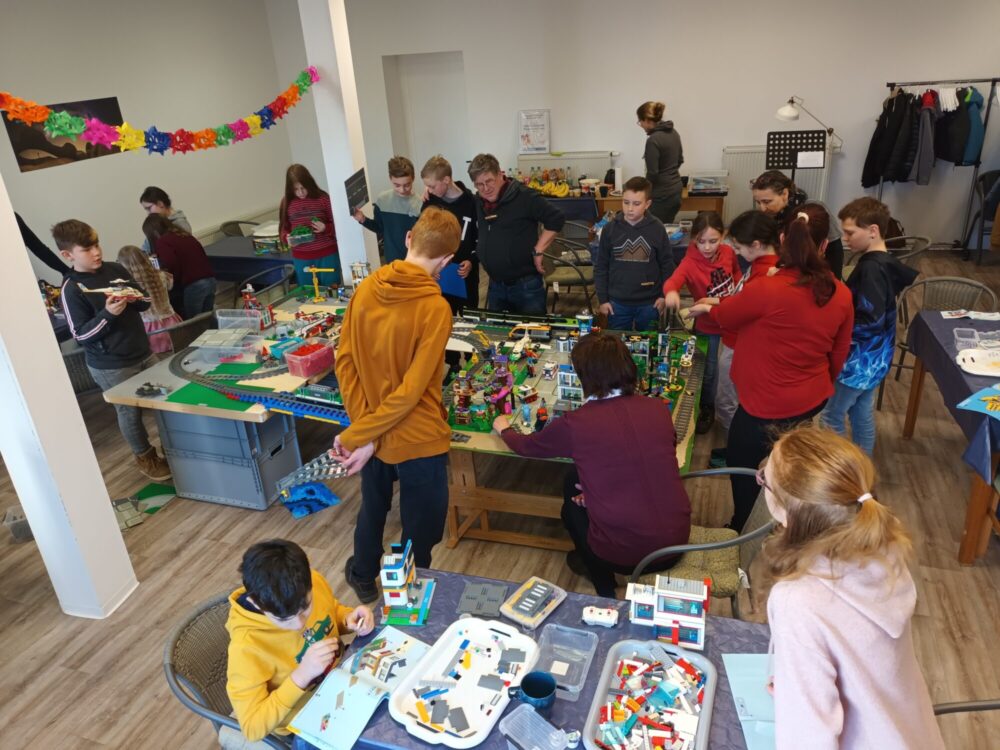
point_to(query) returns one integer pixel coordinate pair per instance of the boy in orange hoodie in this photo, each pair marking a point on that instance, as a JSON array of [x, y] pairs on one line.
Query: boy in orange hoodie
[[389, 366]]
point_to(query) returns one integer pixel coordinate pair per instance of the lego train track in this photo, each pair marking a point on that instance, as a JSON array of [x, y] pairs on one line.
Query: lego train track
[[685, 415]]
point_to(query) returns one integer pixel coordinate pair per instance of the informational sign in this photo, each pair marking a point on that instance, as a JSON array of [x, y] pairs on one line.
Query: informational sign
[[533, 131], [357, 190]]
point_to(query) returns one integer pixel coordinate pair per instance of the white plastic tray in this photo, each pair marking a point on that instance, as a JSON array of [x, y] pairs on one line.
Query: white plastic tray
[[980, 361], [482, 706]]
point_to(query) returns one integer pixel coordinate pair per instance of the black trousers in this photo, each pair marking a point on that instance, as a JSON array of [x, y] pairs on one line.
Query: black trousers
[[577, 522], [750, 440], [423, 507]]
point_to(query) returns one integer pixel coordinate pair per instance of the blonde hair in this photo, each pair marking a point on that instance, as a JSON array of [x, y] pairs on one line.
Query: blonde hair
[[139, 267], [436, 233], [437, 167], [817, 477], [651, 111]]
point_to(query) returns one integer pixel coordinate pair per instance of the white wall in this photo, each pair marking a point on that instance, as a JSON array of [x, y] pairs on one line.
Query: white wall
[[187, 64], [722, 68]]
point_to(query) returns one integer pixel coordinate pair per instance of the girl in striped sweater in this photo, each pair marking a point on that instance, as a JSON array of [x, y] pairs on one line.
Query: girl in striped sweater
[[305, 205]]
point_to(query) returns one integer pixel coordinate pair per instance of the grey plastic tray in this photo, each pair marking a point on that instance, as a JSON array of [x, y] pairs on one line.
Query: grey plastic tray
[[646, 649]]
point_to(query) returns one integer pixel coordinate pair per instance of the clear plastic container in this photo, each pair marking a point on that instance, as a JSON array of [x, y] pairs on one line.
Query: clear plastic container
[[966, 338], [533, 601], [989, 340], [566, 653], [526, 730], [238, 319], [314, 363], [230, 344]]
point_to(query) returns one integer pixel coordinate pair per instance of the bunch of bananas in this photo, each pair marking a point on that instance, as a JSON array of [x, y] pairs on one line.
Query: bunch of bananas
[[558, 189]]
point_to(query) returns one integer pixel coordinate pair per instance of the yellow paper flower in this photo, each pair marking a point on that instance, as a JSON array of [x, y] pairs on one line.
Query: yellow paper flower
[[129, 138], [253, 122]]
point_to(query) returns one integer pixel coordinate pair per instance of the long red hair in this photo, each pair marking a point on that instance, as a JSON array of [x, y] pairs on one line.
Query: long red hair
[[296, 174]]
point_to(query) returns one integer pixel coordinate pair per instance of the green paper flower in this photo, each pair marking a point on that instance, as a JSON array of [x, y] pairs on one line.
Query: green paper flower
[[64, 124], [303, 82], [223, 135]]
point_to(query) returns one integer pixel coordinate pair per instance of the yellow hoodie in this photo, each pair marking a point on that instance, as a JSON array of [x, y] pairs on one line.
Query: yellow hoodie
[[263, 656], [389, 364]]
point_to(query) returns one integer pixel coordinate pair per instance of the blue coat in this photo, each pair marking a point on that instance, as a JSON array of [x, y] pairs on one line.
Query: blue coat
[[974, 144]]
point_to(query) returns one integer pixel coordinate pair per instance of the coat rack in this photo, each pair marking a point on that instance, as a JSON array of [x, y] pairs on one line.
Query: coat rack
[[978, 161]]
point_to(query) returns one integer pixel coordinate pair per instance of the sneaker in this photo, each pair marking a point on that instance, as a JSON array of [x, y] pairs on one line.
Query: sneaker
[[718, 459], [366, 591], [575, 562], [153, 465], [706, 418]]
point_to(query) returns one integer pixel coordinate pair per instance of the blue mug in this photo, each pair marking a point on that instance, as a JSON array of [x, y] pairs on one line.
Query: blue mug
[[537, 689]]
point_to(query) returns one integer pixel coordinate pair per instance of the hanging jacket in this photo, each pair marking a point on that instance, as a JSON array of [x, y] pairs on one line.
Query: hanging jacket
[[895, 169], [952, 132], [974, 144], [923, 165], [913, 118], [883, 140]]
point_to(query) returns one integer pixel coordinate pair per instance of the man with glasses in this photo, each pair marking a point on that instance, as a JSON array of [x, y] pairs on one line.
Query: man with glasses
[[510, 246]]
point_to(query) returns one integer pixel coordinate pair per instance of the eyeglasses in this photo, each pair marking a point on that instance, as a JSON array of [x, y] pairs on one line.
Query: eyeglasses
[[487, 183], [761, 481]]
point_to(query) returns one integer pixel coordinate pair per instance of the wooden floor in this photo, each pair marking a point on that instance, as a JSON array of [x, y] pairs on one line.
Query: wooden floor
[[75, 683]]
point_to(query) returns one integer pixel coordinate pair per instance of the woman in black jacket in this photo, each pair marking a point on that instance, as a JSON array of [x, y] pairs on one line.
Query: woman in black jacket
[[663, 156], [776, 195]]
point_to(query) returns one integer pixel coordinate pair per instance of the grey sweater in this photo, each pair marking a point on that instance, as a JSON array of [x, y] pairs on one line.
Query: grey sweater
[[664, 156]]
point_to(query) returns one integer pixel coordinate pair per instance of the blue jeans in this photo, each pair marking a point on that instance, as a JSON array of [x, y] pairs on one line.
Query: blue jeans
[[711, 370], [423, 508], [304, 278], [129, 417], [199, 297], [858, 406], [524, 295], [643, 317]]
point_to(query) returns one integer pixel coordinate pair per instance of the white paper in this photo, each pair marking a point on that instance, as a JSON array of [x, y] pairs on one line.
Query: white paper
[[533, 131], [810, 160]]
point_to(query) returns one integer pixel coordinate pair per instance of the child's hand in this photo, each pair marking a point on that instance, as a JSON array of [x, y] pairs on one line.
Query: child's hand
[[115, 305], [700, 309], [464, 268], [672, 300], [318, 657], [359, 216], [361, 620], [579, 499], [660, 304], [606, 309], [710, 301], [501, 423], [317, 225], [354, 460]]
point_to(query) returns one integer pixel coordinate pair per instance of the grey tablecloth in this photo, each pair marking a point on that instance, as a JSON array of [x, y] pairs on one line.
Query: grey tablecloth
[[932, 338], [723, 636]]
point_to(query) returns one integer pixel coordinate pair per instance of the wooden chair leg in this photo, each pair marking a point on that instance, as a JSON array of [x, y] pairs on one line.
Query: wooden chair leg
[[881, 392], [899, 365]]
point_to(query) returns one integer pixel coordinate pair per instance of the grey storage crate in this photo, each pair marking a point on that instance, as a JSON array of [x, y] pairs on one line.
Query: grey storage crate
[[227, 461]]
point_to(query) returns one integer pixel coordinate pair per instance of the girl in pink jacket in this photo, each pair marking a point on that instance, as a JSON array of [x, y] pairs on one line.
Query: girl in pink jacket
[[845, 674]]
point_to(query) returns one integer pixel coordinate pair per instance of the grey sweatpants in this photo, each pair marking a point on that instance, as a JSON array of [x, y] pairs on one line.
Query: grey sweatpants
[[129, 417], [726, 401]]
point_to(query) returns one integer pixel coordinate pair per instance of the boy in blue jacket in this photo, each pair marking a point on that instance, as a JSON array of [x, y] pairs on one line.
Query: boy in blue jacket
[[396, 210]]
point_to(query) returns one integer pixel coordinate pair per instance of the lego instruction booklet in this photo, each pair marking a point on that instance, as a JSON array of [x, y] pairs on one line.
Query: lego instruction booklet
[[338, 713]]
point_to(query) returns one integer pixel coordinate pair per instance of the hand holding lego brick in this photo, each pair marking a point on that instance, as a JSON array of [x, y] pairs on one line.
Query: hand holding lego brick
[[361, 620], [317, 658], [672, 300], [354, 460], [501, 423], [115, 305]]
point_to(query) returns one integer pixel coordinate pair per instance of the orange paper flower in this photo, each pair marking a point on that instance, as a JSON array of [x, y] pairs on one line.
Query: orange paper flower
[[5, 98], [25, 111], [204, 139], [291, 95]]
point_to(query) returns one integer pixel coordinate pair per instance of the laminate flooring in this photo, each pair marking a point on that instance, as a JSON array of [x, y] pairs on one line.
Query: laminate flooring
[[77, 683]]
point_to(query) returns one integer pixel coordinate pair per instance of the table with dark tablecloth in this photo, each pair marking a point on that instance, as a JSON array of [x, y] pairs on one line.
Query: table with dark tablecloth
[[723, 635], [234, 259], [932, 339]]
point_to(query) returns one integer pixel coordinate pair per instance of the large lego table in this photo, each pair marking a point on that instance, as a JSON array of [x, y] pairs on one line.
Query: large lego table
[[476, 396]]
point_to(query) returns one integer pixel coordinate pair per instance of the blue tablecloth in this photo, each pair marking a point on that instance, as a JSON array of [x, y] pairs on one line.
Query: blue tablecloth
[[932, 338], [724, 635]]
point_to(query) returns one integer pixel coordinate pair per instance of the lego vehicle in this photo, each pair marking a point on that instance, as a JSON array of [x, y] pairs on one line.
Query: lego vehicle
[[119, 289], [606, 617]]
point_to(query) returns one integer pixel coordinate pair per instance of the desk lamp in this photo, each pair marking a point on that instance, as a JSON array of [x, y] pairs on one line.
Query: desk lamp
[[789, 112]]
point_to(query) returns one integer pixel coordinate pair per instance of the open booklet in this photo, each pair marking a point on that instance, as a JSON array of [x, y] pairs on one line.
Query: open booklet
[[337, 714]]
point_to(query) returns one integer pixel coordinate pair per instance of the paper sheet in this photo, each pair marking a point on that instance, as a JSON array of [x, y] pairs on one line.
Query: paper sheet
[[748, 676]]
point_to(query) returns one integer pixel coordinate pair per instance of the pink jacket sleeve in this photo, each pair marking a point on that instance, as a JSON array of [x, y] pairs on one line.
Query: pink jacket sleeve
[[806, 698]]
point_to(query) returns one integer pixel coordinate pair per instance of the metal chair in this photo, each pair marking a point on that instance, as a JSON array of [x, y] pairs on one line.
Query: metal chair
[[939, 293], [911, 246], [235, 228], [195, 659], [984, 192], [273, 291], [182, 334], [563, 274], [718, 554], [940, 709]]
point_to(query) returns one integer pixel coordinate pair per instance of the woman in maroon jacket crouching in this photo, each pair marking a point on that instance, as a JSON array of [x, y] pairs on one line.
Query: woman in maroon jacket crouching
[[623, 497]]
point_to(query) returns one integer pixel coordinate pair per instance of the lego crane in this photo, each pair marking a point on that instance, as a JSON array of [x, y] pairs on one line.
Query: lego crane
[[317, 297]]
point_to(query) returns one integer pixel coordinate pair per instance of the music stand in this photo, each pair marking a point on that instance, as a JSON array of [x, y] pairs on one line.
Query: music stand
[[795, 149]]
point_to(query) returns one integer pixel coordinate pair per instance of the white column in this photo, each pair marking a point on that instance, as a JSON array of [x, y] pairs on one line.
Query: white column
[[47, 450], [338, 119]]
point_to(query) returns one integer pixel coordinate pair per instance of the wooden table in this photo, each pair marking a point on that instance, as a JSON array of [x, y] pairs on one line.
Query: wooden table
[[696, 202], [931, 339]]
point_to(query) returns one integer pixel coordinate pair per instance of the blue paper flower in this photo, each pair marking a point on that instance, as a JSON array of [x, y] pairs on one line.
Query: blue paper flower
[[266, 117], [157, 142]]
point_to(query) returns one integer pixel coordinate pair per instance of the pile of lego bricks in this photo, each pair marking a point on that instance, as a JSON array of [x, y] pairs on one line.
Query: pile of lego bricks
[[651, 704]]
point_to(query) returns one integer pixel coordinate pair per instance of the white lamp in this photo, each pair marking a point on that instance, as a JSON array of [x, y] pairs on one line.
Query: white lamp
[[789, 112]]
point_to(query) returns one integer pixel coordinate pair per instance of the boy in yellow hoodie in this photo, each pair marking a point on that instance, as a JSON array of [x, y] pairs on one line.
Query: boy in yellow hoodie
[[284, 626], [389, 367]]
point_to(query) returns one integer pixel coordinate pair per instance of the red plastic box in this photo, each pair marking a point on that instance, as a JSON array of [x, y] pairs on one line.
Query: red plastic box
[[311, 358]]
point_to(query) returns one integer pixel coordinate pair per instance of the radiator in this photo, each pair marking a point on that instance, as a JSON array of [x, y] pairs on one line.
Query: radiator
[[746, 163]]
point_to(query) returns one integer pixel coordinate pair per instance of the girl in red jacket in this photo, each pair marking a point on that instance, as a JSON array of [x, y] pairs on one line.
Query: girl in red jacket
[[709, 269], [793, 333]]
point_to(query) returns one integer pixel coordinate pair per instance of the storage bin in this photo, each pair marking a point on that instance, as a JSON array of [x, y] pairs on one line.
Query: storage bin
[[566, 653], [238, 319], [526, 730], [966, 338], [17, 524], [313, 363]]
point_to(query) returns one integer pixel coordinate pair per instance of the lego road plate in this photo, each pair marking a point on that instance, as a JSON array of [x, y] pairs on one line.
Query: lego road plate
[[979, 361], [459, 690], [651, 650], [535, 600]]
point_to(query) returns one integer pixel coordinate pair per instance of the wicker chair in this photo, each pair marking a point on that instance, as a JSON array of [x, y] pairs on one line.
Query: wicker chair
[[718, 554], [904, 249], [562, 274], [940, 293], [195, 659], [235, 228]]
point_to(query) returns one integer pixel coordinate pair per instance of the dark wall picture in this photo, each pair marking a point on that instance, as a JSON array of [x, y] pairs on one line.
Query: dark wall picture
[[34, 149]]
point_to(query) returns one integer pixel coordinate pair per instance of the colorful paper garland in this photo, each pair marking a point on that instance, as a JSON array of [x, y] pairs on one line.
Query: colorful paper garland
[[127, 138]]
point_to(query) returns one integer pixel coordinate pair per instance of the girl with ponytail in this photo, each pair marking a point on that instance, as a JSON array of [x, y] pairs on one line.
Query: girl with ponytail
[[844, 670], [792, 334]]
